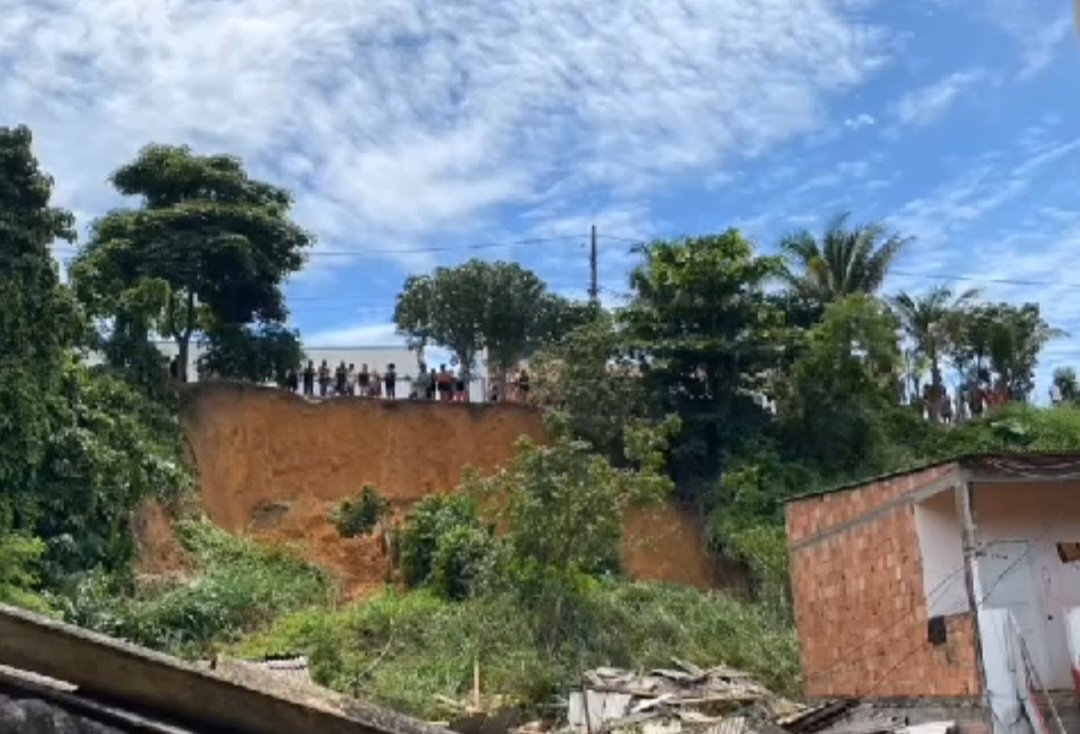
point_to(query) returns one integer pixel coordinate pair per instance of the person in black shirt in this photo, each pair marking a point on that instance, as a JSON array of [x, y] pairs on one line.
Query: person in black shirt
[[339, 378], [390, 380], [363, 380], [292, 381], [309, 379], [523, 386]]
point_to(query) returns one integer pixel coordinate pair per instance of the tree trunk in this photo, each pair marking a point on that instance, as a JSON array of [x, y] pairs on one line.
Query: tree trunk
[[183, 339], [935, 388]]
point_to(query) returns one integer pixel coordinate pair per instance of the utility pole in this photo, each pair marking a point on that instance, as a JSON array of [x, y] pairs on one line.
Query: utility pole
[[594, 288]]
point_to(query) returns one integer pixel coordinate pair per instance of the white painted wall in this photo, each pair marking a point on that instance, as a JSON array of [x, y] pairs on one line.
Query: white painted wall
[[942, 550], [1017, 527]]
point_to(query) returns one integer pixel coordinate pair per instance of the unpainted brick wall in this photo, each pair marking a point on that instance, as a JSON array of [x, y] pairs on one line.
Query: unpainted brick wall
[[860, 603]]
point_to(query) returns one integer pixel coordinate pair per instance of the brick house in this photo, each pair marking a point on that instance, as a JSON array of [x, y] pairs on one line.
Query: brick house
[[886, 575]]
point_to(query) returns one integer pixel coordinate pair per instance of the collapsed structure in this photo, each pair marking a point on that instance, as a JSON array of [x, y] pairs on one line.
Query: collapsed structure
[[957, 582], [59, 679]]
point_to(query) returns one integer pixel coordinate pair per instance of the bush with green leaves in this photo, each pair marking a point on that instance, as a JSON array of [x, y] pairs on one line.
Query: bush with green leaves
[[443, 544], [238, 587], [360, 515]]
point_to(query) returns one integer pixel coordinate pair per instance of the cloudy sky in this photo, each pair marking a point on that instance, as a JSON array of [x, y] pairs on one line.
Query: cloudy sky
[[421, 132]]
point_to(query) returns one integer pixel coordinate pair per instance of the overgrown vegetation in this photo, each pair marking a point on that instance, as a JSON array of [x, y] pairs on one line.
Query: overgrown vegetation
[[360, 515], [236, 588], [405, 649]]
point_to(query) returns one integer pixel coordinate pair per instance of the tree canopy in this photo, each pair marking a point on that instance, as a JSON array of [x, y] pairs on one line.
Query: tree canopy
[[843, 261], [495, 306], [207, 241], [705, 333]]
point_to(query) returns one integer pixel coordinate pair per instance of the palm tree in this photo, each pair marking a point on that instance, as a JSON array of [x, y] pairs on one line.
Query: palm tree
[[842, 262], [927, 321]]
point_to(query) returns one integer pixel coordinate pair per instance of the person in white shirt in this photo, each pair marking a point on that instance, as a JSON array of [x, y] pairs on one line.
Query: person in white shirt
[[350, 380]]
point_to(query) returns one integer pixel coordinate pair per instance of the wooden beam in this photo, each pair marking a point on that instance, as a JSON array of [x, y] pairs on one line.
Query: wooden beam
[[142, 681]]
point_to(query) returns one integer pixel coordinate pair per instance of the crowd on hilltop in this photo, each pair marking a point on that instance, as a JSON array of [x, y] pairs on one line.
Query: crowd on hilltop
[[347, 381]]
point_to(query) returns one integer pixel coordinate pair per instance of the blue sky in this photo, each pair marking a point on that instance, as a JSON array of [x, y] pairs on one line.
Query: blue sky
[[412, 131]]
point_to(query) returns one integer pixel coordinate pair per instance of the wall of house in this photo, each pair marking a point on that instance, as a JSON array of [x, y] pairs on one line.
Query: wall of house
[[1017, 528], [942, 548], [860, 597]]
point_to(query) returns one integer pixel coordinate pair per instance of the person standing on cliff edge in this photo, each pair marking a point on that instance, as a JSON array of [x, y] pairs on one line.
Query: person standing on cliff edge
[[309, 379]]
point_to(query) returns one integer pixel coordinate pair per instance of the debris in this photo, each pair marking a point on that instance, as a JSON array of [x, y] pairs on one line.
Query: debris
[[814, 718], [669, 700]]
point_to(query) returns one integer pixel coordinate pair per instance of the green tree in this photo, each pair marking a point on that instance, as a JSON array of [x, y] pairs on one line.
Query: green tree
[[517, 317], [843, 261], [589, 377], [1066, 384], [927, 320], [706, 335], [499, 306], [581, 498], [843, 391], [38, 322], [1017, 336], [257, 353], [449, 308], [207, 240]]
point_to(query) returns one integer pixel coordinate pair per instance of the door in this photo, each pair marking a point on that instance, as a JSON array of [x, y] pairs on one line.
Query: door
[[1006, 581]]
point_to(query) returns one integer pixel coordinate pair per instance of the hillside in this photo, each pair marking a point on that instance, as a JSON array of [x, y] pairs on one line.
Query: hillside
[[274, 465]]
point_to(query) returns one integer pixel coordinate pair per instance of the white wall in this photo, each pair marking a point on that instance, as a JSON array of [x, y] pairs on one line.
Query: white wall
[[942, 549], [1017, 527]]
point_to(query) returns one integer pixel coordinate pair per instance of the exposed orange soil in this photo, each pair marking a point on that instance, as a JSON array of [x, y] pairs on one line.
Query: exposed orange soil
[[275, 465]]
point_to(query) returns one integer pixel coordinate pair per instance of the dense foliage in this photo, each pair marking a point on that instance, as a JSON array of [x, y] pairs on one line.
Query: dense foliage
[[238, 587], [360, 515], [499, 307], [208, 246], [81, 448]]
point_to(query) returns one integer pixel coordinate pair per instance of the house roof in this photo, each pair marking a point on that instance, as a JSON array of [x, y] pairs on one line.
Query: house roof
[[101, 671], [1064, 465]]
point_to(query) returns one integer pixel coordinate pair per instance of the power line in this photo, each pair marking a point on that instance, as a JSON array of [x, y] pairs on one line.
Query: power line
[[419, 250], [980, 279]]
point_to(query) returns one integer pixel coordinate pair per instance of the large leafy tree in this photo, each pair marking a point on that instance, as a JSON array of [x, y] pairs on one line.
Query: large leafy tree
[[38, 321], [706, 335], [79, 449], [498, 306], [1017, 336], [448, 308], [927, 320], [844, 260], [207, 240], [843, 391]]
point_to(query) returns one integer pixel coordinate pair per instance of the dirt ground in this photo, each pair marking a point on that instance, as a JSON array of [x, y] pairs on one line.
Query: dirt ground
[[275, 465]]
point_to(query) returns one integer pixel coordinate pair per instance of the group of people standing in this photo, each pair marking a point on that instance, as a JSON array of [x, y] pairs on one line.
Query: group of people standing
[[346, 381], [343, 380]]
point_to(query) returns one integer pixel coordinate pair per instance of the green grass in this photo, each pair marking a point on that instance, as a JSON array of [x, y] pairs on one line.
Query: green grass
[[238, 587], [403, 650]]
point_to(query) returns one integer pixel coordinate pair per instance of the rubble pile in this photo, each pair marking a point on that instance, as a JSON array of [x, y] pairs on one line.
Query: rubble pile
[[717, 700], [685, 697]]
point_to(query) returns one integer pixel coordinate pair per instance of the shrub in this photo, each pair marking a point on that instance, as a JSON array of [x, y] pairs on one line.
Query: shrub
[[239, 587], [360, 515], [443, 528]]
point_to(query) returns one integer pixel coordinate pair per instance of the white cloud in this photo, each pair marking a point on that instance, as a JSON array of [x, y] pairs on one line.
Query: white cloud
[[1040, 49], [861, 120], [928, 104], [986, 184], [399, 121]]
